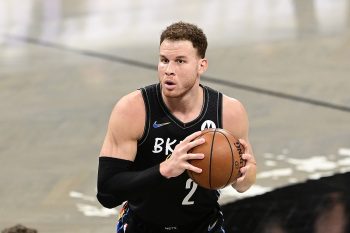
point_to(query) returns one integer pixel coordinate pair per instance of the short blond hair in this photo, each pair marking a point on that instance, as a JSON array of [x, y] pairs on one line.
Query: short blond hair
[[186, 31]]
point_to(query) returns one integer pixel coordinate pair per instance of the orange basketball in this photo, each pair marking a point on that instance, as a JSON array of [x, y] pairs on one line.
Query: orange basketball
[[222, 159]]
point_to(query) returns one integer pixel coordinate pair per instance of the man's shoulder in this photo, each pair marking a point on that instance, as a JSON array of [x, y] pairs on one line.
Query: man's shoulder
[[152, 88], [130, 98], [231, 101], [137, 94], [130, 104], [134, 102], [128, 115], [235, 117], [233, 107]]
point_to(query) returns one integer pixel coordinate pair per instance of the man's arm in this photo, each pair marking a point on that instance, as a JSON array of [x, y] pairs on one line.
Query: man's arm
[[125, 127], [116, 182], [235, 120]]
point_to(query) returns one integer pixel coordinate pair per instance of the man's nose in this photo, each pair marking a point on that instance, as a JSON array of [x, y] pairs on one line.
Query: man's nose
[[169, 69]]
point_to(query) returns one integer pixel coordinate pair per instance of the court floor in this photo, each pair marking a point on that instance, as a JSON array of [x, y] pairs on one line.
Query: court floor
[[64, 64]]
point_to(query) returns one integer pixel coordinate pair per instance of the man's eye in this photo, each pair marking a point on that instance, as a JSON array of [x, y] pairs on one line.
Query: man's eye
[[163, 60], [180, 61]]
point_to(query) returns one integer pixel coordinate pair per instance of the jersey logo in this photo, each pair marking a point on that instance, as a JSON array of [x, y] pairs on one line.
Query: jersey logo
[[170, 228], [210, 227], [156, 125], [208, 124]]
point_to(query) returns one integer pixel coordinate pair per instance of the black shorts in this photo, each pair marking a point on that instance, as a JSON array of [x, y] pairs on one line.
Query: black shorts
[[130, 223]]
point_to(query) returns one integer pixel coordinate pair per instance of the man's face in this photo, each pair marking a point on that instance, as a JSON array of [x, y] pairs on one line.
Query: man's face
[[179, 67]]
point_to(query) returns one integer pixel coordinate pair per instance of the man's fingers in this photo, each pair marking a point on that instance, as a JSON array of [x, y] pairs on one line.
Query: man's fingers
[[240, 179], [195, 156], [194, 169], [195, 143], [192, 136], [249, 158], [192, 156], [243, 170], [244, 144]]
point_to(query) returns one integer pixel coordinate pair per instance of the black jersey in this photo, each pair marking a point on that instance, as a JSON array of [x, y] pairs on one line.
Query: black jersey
[[178, 200]]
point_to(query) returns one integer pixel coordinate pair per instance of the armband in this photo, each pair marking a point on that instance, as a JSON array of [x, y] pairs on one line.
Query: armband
[[116, 182]]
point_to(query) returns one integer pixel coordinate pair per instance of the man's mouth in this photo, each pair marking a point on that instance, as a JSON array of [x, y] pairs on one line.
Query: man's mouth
[[168, 84]]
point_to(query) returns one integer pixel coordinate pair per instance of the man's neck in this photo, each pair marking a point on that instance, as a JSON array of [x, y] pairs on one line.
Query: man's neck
[[186, 108]]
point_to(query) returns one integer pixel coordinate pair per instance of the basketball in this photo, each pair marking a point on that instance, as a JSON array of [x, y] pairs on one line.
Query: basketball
[[222, 159]]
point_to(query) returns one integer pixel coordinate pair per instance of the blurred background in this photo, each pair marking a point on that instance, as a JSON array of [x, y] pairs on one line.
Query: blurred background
[[64, 64]]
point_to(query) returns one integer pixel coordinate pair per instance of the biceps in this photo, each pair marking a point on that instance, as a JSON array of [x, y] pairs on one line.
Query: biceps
[[119, 147]]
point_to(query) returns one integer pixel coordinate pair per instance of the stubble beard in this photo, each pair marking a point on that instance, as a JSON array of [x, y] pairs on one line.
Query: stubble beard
[[177, 94]]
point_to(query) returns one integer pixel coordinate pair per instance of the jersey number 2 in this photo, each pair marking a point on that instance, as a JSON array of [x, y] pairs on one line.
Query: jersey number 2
[[190, 184]]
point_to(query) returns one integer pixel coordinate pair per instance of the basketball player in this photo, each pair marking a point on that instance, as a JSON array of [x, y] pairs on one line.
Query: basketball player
[[145, 152]]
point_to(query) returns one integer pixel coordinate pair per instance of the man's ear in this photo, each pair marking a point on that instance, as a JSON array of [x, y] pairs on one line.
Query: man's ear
[[202, 66]]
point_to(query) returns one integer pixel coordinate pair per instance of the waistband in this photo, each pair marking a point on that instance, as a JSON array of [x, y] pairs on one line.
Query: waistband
[[147, 227]]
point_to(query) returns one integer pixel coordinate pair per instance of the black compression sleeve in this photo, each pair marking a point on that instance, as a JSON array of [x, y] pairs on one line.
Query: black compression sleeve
[[116, 183]]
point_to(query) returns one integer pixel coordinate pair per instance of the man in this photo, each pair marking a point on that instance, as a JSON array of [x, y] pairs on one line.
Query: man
[[145, 153], [19, 229]]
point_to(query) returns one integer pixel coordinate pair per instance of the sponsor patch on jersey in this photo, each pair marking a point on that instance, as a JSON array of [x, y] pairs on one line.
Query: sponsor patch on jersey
[[158, 125], [208, 124]]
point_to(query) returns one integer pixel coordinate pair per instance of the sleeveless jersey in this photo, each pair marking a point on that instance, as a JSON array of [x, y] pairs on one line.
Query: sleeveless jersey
[[176, 201]]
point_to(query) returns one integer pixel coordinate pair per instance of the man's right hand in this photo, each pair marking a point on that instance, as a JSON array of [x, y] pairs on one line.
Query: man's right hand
[[177, 162]]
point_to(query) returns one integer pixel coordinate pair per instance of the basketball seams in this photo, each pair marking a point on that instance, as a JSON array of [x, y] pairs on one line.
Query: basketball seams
[[211, 156], [191, 172], [232, 159]]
